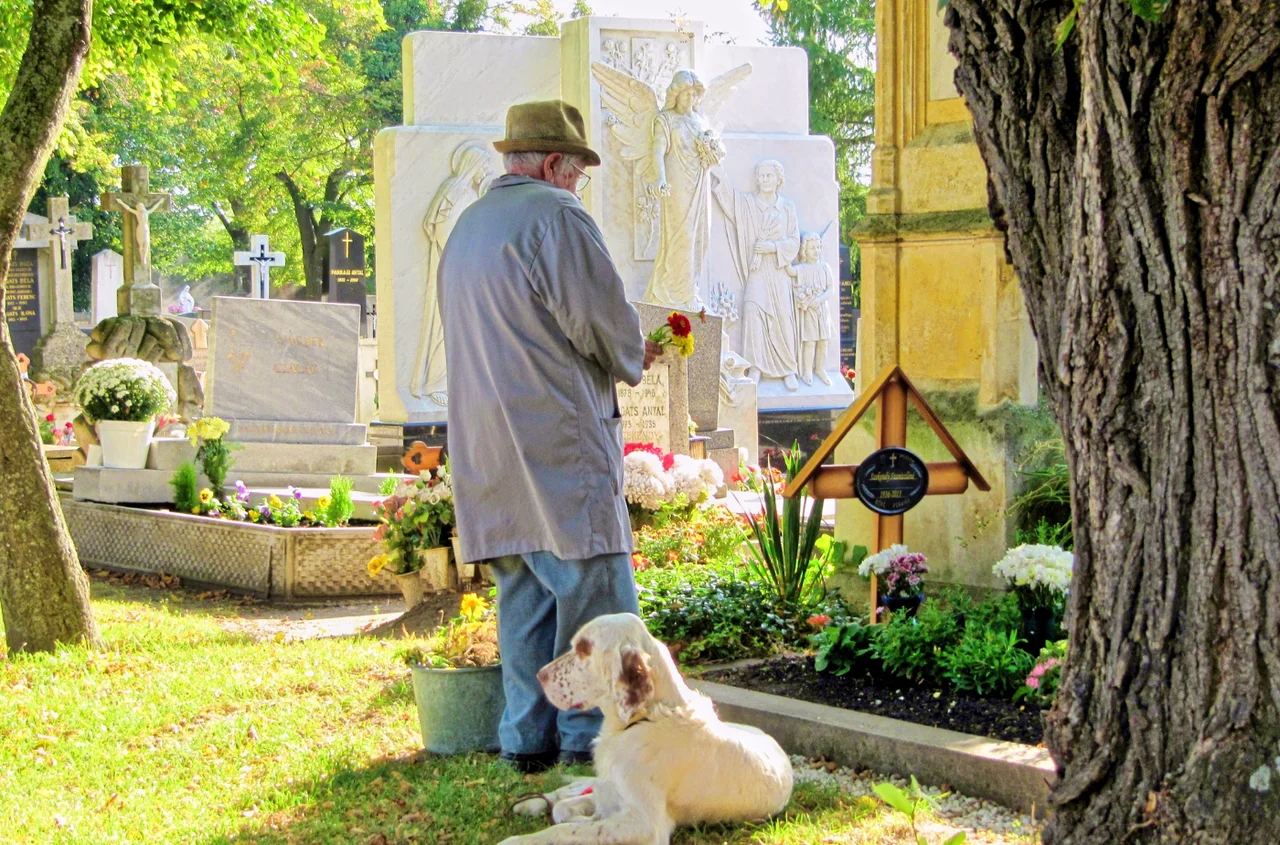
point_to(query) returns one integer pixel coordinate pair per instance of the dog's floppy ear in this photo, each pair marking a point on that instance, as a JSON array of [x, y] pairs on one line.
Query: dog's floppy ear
[[632, 682]]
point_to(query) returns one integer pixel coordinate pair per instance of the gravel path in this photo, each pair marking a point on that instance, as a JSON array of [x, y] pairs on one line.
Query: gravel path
[[986, 821]]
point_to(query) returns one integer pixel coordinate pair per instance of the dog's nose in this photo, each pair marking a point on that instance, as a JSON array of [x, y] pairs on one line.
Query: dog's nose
[[542, 675]]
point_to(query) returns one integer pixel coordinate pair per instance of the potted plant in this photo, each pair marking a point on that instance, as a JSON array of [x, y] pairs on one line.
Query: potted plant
[[457, 681], [416, 521], [901, 578], [122, 396], [1040, 577]]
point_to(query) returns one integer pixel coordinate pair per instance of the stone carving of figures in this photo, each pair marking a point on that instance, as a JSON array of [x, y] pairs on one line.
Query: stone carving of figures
[[186, 301], [764, 236], [471, 170], [680, 147], [812, 282], [141, 213], [733, 373]]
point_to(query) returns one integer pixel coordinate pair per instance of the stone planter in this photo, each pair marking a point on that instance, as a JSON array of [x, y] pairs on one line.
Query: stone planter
[[459, 709], [411, 587], [278, 563], [125, 445]]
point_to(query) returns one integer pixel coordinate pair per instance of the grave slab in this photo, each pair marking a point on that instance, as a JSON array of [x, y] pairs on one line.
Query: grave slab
[[283, 458], [277, 431]]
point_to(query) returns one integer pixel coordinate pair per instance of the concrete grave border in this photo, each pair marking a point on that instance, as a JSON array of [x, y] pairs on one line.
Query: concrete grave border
[[1017, 776]]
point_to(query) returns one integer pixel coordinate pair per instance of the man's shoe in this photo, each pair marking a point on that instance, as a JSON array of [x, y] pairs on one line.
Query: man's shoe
[[529, 764], [575, 758]]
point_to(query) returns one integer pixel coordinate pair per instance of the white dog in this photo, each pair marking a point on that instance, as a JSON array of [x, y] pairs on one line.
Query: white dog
[[663, 758]]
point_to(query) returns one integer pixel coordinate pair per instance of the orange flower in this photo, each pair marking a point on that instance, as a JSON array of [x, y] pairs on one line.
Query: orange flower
[[819, 620]]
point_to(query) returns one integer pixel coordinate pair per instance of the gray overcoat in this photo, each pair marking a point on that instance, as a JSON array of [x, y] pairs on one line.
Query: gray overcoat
[[537, 331]]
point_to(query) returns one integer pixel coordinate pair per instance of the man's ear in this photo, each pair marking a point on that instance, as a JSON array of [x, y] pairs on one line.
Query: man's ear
[[549, 165], [632, 683]]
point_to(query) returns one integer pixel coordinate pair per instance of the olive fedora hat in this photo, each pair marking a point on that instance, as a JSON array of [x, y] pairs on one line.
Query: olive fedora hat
[[546, 126]]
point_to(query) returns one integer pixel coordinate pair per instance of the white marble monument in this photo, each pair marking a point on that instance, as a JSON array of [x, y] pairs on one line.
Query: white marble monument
[[107, 271], [709, 177]]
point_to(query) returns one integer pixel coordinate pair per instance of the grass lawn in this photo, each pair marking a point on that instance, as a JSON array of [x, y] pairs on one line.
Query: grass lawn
[[181, 732]]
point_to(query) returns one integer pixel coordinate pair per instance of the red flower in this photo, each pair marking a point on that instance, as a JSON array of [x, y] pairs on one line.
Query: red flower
[[668, 461], [680, 325], [736, 478], [642, 447], [49, 418], [819, 620]]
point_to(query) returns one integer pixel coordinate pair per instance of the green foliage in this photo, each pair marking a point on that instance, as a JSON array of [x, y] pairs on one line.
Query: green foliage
[[1042, 510], [910, 802], [696, 537], [986, 662], [340, 507], [911, 648], [1041, 685], [216, 461], [841, 648], [186, 488], [839, 39], [783, 551], [388, 486]]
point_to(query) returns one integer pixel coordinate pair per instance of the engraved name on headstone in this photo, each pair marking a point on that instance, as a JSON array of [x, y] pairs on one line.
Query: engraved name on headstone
[[646, 409], [22, 301]]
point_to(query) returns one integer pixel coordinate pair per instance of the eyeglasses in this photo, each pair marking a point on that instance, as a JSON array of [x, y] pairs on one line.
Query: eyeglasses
[[584, 179]]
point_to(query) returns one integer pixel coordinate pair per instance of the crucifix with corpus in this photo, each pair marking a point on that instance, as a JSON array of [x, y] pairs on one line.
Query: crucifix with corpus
[[260, 260], [139, 295], [69, 232], [892, 480]]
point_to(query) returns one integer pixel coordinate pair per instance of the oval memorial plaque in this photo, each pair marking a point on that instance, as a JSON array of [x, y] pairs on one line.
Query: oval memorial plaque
[[892, 481]]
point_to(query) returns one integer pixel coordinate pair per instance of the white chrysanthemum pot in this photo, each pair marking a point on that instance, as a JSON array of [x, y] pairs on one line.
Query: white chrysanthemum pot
[[125, 444]]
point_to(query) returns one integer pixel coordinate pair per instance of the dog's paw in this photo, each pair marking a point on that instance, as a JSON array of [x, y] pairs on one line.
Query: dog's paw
[[574, 809], [534, 805]]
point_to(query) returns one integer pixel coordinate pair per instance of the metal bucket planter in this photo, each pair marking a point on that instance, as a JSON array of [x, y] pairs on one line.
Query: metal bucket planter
[[459, 709]]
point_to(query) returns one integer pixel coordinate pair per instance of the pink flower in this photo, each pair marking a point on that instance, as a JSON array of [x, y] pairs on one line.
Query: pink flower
[[1039, 670], [1033, 682]]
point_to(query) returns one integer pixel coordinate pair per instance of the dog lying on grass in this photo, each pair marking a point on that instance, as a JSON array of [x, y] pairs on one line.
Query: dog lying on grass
[[663, 759]]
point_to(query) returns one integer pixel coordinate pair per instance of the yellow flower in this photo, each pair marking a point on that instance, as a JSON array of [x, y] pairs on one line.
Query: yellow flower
[[274, 502], [206, 496], [195, 511], [376, 565], [683, 345], [323, 503], [473, 606]]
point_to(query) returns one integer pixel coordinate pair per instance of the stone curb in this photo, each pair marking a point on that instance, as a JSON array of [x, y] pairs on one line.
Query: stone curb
[[1017, 776]]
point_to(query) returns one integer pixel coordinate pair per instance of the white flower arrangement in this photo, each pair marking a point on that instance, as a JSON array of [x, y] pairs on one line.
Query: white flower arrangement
[[124, 389], [879, 562], [697, 479], [1039, 574], [644, 482]]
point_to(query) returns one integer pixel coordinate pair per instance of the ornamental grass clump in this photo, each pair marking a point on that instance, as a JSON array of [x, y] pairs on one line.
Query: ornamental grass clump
[[467, 641], [783, 552], [123, 389]]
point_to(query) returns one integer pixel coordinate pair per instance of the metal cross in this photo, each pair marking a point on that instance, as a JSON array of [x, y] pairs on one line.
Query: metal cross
[[346, 245], [260, 262]]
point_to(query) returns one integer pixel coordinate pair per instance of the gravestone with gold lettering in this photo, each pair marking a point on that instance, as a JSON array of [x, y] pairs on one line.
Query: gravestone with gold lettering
[[345, 279]]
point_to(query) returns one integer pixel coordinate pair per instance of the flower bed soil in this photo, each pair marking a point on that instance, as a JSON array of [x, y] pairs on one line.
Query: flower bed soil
[[795, 677]]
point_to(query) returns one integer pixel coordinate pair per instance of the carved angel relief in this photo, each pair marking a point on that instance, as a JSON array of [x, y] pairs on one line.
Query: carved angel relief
[[673, 148]]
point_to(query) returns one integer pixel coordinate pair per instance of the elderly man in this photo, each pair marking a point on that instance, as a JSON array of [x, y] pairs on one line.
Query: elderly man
[[537, 332]]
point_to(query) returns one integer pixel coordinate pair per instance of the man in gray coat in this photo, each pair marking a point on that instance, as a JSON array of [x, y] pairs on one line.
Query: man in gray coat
[[538, 330]]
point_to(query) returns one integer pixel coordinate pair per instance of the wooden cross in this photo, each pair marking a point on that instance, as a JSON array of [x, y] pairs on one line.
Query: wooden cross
[[890, 391], [260, 261], [136, 203]]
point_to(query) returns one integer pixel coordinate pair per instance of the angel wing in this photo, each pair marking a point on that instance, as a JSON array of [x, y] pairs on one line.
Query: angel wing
[[633, 103], [722, 87]]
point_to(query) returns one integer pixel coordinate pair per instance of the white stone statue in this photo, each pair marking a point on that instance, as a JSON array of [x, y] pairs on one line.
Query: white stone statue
[[141, 213], [733, 373], [471, 169], [812, 283], [186, 302], [764, 235], [680, 147]]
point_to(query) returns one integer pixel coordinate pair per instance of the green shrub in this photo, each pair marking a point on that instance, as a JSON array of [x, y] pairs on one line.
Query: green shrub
[[703, 536], [911, 648], [986, 662], [1042, 510], [783, 552], [1041, 684], [338, 509], [841, 648], [186, 488]]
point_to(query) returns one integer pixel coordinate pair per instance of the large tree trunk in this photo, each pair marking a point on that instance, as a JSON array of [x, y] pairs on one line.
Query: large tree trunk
[[310, 234], [1138, 174], [239, 236], [44, 595]]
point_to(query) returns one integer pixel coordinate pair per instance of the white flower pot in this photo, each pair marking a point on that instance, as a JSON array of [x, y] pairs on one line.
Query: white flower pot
[[125, 444]]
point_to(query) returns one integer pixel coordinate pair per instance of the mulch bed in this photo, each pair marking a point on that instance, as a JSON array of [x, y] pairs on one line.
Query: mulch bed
[[795, 677]]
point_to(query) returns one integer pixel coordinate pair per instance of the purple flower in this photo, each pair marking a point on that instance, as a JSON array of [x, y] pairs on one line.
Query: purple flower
[[297, 494], [264, 509]]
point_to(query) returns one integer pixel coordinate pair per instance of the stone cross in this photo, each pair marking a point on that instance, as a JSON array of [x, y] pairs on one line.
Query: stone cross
[[63, 226], [260, 262], [139, 295]]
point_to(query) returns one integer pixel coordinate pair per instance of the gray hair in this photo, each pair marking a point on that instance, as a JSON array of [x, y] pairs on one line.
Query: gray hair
[[529, 163]]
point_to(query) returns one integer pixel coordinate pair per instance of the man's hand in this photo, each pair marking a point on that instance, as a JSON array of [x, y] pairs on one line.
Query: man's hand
[[651, 351]]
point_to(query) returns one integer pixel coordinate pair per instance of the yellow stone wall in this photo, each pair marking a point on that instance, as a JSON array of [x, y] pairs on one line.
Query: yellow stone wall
[[939, 299]]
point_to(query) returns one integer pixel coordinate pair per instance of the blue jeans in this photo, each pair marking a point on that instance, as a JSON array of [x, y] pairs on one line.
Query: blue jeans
[[542, 602]]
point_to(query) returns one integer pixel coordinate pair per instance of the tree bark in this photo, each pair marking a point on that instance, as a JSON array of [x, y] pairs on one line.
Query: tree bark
[[309, 234], [239, 236], [1138, 174], [44, 595]]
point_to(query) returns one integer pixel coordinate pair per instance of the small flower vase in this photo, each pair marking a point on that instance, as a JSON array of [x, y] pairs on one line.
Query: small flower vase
[[411, 587], [125, 444], [436, 573], [903, 604], [1039, 626]]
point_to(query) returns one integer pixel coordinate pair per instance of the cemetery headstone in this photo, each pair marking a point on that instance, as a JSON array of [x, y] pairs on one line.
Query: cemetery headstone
[[848, 313], [345, 272], [60, 353], [140, 295], [657, 410], [107, 271], [260, 260], [22, 301]]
